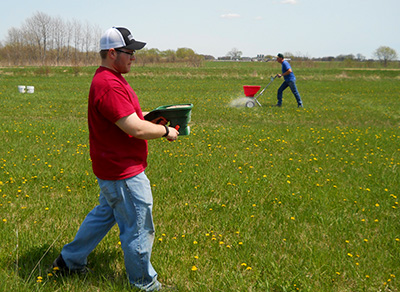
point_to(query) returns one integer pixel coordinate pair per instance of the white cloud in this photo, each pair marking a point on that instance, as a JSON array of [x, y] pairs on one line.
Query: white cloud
[[230, 15], [292, 2]]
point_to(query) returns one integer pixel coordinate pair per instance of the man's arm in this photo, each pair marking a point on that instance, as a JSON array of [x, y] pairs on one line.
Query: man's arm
[[141, 129], [286, 73]]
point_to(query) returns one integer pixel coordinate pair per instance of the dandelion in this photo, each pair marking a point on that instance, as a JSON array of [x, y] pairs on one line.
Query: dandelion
[[249, 268], [194, 268], [243, 264], [350, 255]]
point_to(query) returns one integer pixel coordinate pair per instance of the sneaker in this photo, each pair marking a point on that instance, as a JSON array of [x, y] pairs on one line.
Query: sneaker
[[300, 106], [162, 287], [60, 267]]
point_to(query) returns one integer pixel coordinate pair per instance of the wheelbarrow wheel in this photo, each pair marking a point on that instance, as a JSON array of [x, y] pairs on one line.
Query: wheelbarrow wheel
[[250, 103]]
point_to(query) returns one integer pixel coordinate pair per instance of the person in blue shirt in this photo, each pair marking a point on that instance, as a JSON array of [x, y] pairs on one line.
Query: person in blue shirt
[[290, 81]]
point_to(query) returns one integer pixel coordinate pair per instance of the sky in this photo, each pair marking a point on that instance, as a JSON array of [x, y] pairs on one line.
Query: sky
[[311, 28]]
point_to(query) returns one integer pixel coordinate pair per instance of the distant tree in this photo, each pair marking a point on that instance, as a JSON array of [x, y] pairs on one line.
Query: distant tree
[[288, 55], [168, 56], [268, 58], [189, 56], [208, 57], [58, 37], [328, 59], [385, 54], [37, 29], [184, 53], [345, 57], [360, 57], [77, 39], [146, 56], [235, 54]]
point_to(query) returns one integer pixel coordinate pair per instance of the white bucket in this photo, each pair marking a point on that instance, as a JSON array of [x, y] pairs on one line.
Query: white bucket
[[21, 88], [30, 89]]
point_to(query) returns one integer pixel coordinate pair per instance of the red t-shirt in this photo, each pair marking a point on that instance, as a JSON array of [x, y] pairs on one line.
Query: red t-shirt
[[115, 155]]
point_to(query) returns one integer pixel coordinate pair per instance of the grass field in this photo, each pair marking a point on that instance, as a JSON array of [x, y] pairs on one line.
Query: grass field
[[261, 199]]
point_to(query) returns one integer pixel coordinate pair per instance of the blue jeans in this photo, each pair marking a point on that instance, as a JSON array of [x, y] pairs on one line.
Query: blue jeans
[[293, 87], [128, 203]]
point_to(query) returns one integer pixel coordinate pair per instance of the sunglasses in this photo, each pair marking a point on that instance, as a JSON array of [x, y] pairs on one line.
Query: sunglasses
[[125, 52]]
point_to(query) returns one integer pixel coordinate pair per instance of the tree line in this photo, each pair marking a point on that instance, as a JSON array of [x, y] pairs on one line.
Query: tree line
[[46, 40], [51, 41], [383, 54]]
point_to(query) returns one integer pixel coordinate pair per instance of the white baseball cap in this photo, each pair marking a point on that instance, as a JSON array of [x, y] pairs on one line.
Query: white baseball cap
[[119, 37]]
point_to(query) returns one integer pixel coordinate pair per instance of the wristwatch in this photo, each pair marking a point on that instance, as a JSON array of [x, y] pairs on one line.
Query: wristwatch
[[166, 131]]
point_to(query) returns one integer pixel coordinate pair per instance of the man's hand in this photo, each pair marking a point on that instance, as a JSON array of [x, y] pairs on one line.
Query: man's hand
[[173, 134]]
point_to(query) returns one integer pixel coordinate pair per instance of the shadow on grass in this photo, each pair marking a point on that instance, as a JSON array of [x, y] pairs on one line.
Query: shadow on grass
[[37, 261]]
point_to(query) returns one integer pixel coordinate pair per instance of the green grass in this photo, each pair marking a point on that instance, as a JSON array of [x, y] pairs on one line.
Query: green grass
[[262, 199]]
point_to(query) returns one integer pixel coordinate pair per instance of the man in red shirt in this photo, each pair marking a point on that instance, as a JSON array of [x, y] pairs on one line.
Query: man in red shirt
[[118, 137]]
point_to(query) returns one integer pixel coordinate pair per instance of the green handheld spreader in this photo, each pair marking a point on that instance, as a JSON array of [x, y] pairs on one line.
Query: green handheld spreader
[[176, 115]]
